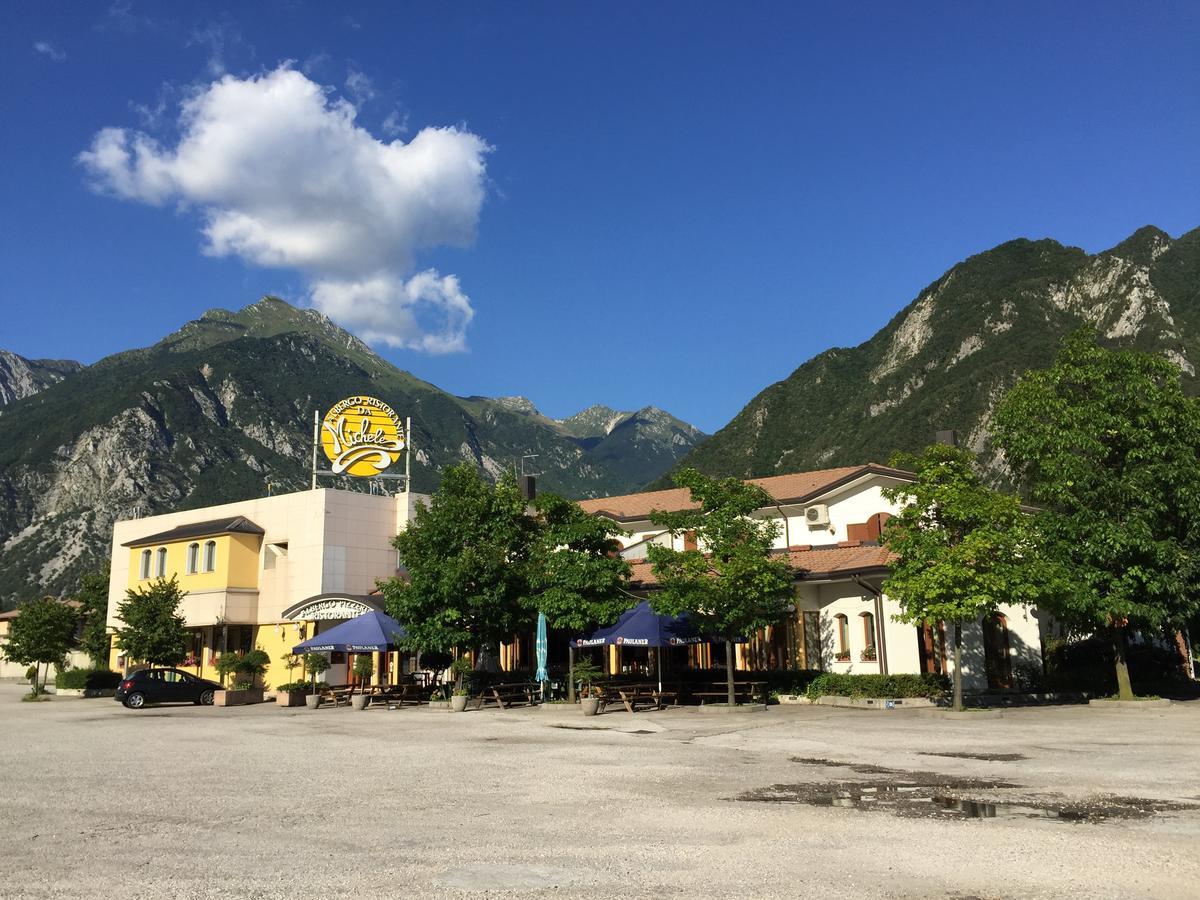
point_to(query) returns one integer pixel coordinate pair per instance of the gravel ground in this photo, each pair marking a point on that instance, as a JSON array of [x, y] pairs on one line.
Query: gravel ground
[[267, 802]]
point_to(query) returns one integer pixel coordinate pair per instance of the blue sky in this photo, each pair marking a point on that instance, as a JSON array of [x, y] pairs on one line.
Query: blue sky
[[682, 201]]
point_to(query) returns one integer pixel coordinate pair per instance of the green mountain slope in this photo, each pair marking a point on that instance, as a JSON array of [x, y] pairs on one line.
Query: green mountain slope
[[946, 358], [224, 405]]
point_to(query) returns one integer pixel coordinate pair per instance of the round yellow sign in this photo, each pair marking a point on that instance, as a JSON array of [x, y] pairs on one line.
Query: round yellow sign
[[362, 436]]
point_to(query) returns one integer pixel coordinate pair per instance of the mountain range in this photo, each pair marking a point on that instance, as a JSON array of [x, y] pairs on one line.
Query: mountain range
[[224, 405], [216, 410]]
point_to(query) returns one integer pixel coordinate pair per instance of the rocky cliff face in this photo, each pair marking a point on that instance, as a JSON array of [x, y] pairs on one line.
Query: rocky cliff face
[[215, 411], [946, 359], [21, 377]]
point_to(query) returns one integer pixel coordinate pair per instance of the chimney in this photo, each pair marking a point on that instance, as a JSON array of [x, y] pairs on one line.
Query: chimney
[[949, 438], [528, 484]]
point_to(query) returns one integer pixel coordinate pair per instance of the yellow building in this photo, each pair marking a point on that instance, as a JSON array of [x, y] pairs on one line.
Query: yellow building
[[265, 573]]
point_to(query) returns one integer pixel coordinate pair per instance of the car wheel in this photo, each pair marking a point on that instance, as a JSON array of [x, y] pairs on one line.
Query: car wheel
[[135, 701], [206, 698]]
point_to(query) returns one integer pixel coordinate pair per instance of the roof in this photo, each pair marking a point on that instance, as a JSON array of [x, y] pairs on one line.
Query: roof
[[836, 560], [13, 613], [798, 487], [236, 525]]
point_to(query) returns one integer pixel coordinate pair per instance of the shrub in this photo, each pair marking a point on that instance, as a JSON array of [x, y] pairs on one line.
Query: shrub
[[292, 687], [877, 686], [87, 679], [227, 664]]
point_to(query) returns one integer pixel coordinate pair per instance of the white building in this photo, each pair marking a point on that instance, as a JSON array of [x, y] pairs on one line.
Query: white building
[[829, 527]]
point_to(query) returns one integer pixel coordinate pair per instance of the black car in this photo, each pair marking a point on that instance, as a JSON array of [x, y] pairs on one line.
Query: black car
[[165, 686]]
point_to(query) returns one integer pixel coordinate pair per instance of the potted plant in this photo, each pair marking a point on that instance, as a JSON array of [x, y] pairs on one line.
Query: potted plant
[[842, 656], [364, 668], [460, 669], [314, 665], [586, 672], [867, 655]]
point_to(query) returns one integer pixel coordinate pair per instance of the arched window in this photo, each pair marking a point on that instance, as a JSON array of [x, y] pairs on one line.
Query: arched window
[[193, 558], [160, 563], [868, 620], [210, 556], [144, 571], [868, 653], [843, 634]]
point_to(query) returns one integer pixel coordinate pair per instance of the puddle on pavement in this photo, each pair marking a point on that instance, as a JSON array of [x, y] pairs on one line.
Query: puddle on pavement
[[920, 779], [986, 757], [601, 728], [929, 802]]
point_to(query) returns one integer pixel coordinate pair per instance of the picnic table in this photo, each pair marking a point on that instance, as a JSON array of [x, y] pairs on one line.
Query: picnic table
[[637, 697], [506, 695], [718, 692], [394, 696]]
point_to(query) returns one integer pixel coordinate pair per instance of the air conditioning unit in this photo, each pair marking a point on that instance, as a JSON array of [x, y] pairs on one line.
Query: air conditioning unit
[[817, 514]]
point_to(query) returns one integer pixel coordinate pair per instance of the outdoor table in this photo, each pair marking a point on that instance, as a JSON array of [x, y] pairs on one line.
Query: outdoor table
[[505, 695]]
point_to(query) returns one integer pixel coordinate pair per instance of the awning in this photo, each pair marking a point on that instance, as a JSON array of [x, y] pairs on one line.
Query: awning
[[372, 632]]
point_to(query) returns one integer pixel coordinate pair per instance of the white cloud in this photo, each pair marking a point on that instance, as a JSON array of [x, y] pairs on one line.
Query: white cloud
[[45, 48], [360, 86], [283, 177]]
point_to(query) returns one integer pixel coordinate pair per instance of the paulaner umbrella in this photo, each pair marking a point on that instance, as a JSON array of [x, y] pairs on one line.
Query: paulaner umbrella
[[643, 627], [372, 632]]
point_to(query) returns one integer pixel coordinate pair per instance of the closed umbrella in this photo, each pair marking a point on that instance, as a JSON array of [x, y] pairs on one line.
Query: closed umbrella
[[541, 648]]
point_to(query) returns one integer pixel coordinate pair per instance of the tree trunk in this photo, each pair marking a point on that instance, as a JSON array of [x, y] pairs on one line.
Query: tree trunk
[[958, 690], [729, 672], [1124, 685], [570, 674]]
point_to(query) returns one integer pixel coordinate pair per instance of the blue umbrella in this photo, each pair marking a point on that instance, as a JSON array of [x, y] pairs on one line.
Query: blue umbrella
[[541, 647], [372, 632], [643, 627]]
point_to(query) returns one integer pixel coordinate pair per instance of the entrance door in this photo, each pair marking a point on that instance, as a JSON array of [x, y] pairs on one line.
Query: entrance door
[[996, 659]]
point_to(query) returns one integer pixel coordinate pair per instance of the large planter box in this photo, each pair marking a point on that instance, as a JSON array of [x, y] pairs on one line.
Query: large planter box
[[290, 698], [719, 709], [237, 698], [1130, 704]]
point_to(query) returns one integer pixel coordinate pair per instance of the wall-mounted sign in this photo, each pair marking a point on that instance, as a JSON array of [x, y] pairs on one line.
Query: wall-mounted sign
[[362, 436]]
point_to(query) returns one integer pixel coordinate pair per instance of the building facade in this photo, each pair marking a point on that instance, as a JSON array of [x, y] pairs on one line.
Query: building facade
[[829, 524], [265, 573]]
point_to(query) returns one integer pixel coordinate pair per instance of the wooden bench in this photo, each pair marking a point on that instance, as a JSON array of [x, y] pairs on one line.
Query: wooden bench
[[506, 695], [337, 694]]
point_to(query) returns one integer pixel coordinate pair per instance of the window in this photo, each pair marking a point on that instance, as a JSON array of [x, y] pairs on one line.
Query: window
[[843, 635], [193, 558], [144, 571], [868, 620], [210, 556], [160, 564], [869, 653]]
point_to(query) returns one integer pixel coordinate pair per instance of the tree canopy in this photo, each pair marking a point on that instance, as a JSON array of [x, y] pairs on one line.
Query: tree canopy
[[93, 612], [152, 630], [1108, 444], [481, 564], [730, 584], [962, 548], [466, 583], [42, 634]]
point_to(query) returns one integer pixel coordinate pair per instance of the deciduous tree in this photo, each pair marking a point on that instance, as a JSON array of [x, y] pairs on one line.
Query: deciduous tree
[[152, 630], [93, 612], [42, 634], [1109, 445], [962, 548], [731, 584]]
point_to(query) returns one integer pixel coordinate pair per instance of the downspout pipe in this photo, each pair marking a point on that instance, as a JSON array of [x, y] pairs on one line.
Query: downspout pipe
[[881, 636], [787, 536]]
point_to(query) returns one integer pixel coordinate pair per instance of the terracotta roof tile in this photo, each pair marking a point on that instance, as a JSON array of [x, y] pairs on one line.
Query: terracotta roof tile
[[798, 486], [832, 560]]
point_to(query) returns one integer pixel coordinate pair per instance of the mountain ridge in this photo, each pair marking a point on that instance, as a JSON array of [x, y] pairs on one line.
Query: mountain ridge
[[224, 404], [946, 358]]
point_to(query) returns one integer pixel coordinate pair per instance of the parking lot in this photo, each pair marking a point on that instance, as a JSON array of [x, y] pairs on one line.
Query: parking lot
[[262, 801]]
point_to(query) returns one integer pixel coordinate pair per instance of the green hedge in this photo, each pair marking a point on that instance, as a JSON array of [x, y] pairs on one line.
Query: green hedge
[[87, 680], [877, 686]]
